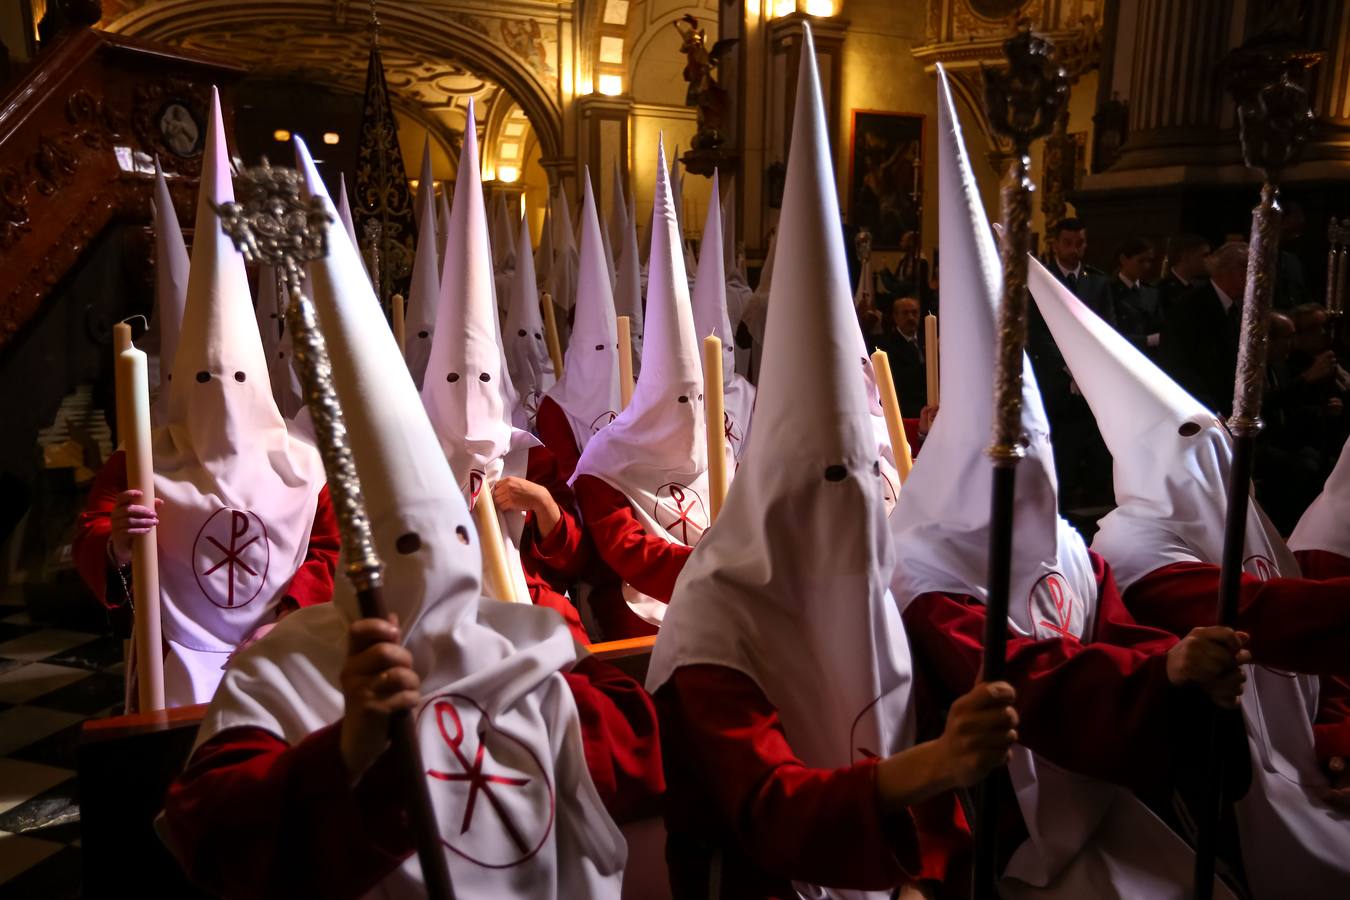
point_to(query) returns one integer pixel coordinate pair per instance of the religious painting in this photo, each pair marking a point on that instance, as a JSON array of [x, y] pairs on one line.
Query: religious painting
[[886, 176]]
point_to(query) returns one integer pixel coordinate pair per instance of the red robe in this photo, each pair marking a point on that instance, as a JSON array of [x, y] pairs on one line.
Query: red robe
[[1297, 624], [555, 430], [627, 553], [312, 583], [553, 563], [739, 792], [1104, 708], [252, 816], [1322, 565]]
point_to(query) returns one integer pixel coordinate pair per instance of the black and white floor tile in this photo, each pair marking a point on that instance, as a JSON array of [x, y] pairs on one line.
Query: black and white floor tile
[[52, 678]]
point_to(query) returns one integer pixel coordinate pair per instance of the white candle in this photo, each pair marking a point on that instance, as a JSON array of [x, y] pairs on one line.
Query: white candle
[[496, 567], [890, 407], [551, 335], [625, 361], [930, 349], [133, 410], [714, 409]]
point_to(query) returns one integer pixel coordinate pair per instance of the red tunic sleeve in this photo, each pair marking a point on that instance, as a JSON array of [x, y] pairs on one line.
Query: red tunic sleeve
[[560, 556], [1322, 565], [912, 435], [735, 788], [1296, 624], [1331, 729], [254, 817], [550, 423], [1104, 708], [313, 581], [94, 525], [647, 562], [622, 743]]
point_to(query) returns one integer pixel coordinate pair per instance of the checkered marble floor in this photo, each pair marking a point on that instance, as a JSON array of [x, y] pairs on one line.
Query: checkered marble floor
[[52, 678]]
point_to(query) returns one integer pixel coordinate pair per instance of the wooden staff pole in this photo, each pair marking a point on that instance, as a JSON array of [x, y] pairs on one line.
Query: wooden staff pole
[[496, 565], [930, 358], [551, 334], [1023, 104], [1275, 118], [276, 225], [890, 408], [715, 411], [625, 328], [133, 414], [400, 324]]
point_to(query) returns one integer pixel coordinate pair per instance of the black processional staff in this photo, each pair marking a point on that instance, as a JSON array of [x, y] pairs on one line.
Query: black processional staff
[[1022, 103], [1274, 120], [273, 223]]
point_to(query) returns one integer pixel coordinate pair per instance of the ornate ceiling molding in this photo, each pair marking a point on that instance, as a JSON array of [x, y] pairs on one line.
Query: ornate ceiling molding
[[436, 53]]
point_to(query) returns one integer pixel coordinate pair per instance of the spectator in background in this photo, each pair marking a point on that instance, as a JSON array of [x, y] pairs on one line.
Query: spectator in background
[[903, 344], [1291, 288], [1289, 470], [1313, 362], [1138, 311], [1200, 331], [1185, 268]]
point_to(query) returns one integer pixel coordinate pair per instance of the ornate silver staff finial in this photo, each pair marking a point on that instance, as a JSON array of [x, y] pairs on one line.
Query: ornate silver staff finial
[[374, 231], [1023, 104], [374, 24], [272, 223]]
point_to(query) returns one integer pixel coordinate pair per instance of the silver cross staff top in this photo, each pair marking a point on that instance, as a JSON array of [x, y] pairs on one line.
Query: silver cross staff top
[[274, 224]]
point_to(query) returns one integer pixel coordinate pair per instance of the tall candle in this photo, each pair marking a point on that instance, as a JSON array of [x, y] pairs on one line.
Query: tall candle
[[890, 407], [551, 334], [133, 411], [930, 350], [625, 361], [496, 567], [715, 410]]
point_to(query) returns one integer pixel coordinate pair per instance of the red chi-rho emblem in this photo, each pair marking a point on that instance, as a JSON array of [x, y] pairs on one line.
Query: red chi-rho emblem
[[474, 485], [1053, 609], [732, 430], [680, 511], [493, 799], [230, 557], [1259, 567], [602, 420]]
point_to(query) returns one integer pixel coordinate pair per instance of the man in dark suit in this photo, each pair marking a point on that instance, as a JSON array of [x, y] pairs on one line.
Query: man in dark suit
[[1200, 333], [903, 344], [1138, 312], [1185, 268], [1081, 458]]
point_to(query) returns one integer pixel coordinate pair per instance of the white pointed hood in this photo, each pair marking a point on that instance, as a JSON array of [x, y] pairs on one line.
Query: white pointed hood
[[941, 523], [588, 391], [659, 441], [543, 254], [491, 683], [425, 289], [628, 291], [710, 318], [1325, 525], [466, 388], [677, 200], [442, 226], [790, 586], [239, 491], [171, 278], [276, 340], [1172, 456], [345, 216], [563, 276], [503, 236], [619, 220], [527, 356]]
